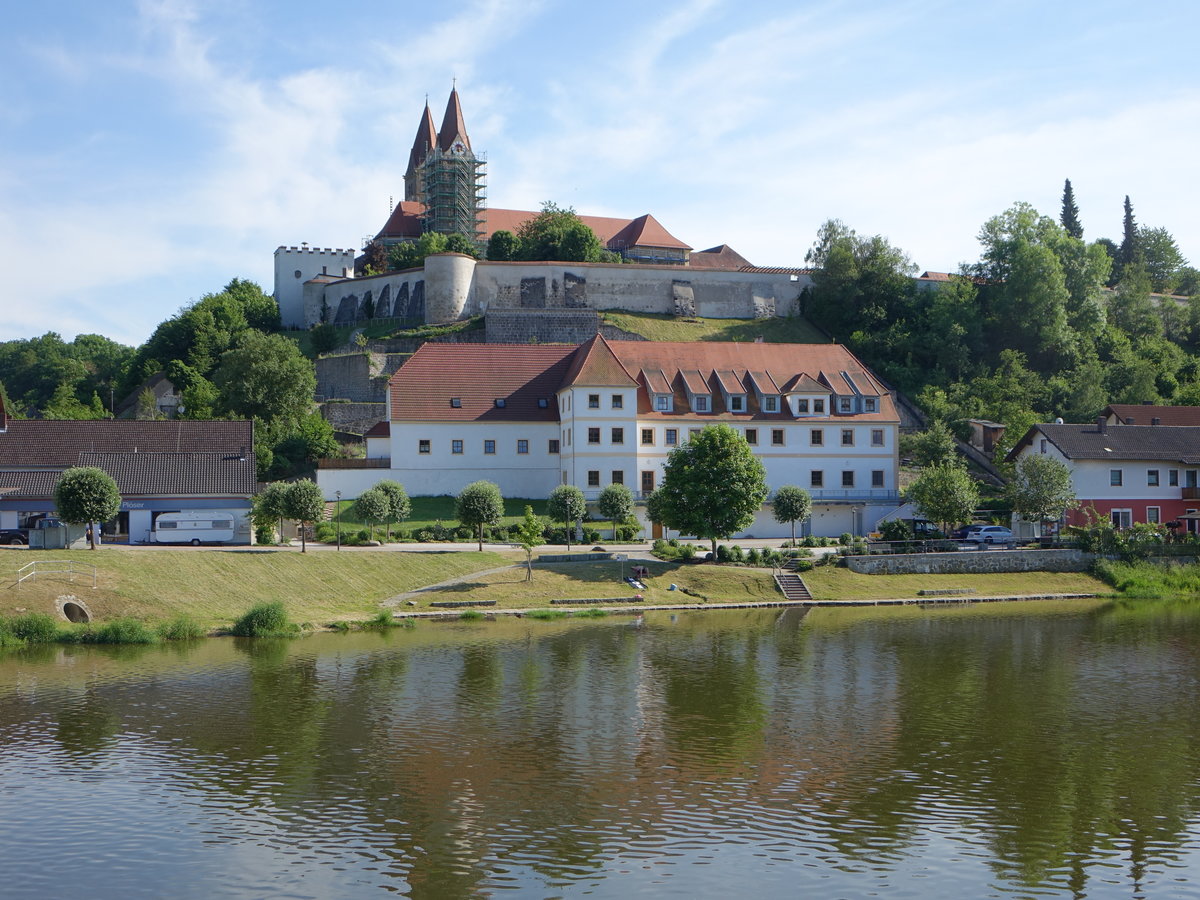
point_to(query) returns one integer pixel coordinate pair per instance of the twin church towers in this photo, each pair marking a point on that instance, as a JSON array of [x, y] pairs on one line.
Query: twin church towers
[[445, 176]]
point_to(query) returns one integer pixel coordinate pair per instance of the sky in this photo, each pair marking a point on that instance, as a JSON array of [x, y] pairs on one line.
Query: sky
[[152, 150]]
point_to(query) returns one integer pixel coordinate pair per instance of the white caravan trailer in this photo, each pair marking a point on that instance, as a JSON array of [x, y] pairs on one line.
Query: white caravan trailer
[[194, 527]]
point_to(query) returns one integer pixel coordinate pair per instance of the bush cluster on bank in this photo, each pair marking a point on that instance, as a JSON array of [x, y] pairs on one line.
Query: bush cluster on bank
[[1147, 581], [40, 628], [672, 550]]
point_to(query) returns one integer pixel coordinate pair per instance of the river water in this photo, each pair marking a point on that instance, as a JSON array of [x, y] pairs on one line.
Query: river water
[[989, 751]]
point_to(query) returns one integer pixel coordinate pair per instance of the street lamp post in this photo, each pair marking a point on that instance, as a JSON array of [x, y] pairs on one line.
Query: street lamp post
[[338, 494]]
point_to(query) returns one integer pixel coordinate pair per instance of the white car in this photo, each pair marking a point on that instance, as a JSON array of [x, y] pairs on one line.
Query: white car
[[989, 534]]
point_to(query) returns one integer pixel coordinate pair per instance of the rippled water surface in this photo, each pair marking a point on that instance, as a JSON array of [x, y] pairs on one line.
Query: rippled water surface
[[1022, 751]]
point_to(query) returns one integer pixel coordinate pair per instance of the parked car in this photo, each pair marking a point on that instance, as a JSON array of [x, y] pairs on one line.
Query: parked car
[[962, 534], [989, 534], [19, 537]]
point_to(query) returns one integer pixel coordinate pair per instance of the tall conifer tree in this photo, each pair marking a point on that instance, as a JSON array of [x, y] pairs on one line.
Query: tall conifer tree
[[1070, 212], [1129, 241]]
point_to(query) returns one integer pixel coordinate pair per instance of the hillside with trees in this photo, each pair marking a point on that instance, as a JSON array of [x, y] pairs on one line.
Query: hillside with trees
[[1038, 327]]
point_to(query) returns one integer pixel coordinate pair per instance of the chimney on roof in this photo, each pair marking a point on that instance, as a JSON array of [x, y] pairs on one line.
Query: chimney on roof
[[1102, 424], [1156, 421]]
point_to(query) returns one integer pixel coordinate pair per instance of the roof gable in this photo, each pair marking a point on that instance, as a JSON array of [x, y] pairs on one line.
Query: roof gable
[[594, 364]]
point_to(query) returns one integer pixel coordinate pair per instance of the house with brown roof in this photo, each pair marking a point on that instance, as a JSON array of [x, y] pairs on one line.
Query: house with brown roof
[[531, 417], [159, 466], [1129, 473]]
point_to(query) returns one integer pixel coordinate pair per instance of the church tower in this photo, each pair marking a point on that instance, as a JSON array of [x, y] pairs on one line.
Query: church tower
[[446, 176]]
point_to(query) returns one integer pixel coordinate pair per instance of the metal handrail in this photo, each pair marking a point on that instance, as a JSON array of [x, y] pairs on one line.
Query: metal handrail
[[44, 567]]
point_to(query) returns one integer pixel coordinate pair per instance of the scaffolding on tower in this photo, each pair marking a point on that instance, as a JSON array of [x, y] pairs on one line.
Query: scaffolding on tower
[[454, 188]]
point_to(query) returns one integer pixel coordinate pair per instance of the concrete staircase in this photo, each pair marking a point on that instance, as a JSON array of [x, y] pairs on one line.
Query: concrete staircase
[[792, 586]]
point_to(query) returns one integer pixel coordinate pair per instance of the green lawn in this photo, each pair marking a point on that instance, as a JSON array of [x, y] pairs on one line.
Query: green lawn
[[661, 327], [214, 587], [427, 511]]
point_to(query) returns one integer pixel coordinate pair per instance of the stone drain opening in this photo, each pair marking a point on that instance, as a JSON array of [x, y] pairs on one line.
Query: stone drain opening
[[73, 610]]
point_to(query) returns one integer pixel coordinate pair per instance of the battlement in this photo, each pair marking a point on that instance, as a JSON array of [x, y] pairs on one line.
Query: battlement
[[314, 250]]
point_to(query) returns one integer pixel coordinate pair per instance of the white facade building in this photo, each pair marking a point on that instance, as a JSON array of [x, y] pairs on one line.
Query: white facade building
[[531, 417]]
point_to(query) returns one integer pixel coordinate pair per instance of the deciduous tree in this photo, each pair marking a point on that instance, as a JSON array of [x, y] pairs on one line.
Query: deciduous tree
[[791, 505], [945, 494], [270, 506], [479, 504], [530, 535], [306, 505], [374, 506], [266, 377], [567, 505], [399, 506], [616, 503], [86, 495], [1041, 489], [713, 485]]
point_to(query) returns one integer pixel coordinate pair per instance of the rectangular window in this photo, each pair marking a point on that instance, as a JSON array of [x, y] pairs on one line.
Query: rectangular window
[[593, 401], [869, 404], [456, 446], [593, 478], [1153, 515], [1173, 477], [876, 437], [877, 478], [751, 436], [672, 437], [847, 479], [647, 435], [770, 404], [844, 404], [818, 479], [1042, 445], [819, 406], [647, 482], [847, 437], [423, 447], [1116, 477], [489, 447], [736, 403], [522, 446], [554, 445], [1152, 477], [1122, 518], [776, 437], [618, 401], [618, 435], [662, 402], [1189, 478], [816, 437], [456, 402], [701, 403], [618, 476], [593, 435], [801, 407]]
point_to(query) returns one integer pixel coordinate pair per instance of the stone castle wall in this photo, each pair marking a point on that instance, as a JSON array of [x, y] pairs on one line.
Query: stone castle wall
[[972, 561]]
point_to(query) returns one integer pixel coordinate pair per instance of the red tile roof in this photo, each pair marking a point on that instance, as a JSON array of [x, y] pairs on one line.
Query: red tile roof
[[478, 375], [379, 430], [645, 231], [44, 443], [405, 221], [1133, 413], [522, 374], [595, 365], [722, 257]]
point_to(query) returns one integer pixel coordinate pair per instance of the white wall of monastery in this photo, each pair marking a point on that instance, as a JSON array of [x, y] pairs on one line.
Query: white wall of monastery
[[296, 265]]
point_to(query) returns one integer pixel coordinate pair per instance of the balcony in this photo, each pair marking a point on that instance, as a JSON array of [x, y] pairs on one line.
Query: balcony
[[1190, 493]]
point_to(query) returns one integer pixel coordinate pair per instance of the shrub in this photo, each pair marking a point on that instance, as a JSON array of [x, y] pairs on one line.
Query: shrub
[[722, 553], [736, 554], [471, 615], [264, 534], [326, 532], [674, 542], [546, 614], [591, 536], [8, 638], [36, 628], [753, 557], [464, 534], [803, 565], [687, 552], [118, 631], [845, 539], [264, 620], [182, 628]]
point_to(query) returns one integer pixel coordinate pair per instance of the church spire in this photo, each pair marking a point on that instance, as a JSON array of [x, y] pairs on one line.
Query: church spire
[[425, 140], [454, 129]]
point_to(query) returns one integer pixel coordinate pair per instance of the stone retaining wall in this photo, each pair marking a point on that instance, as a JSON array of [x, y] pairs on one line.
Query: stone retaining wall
[[972, 561]]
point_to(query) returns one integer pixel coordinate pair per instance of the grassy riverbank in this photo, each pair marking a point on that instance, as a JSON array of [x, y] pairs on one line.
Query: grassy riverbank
[[215, 587], [1147, 581]]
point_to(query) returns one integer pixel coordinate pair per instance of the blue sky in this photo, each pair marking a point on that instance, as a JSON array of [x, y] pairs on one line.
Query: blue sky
[[151, 151]]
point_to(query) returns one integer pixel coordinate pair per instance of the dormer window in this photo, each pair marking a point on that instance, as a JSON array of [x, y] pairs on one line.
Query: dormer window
[[737, 403], [456, 402], [869, 404], [662, 403], [701, 403], [819, 407], [501, 403], [770, 404], [543, 403], [802, 407], [844, 404]]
